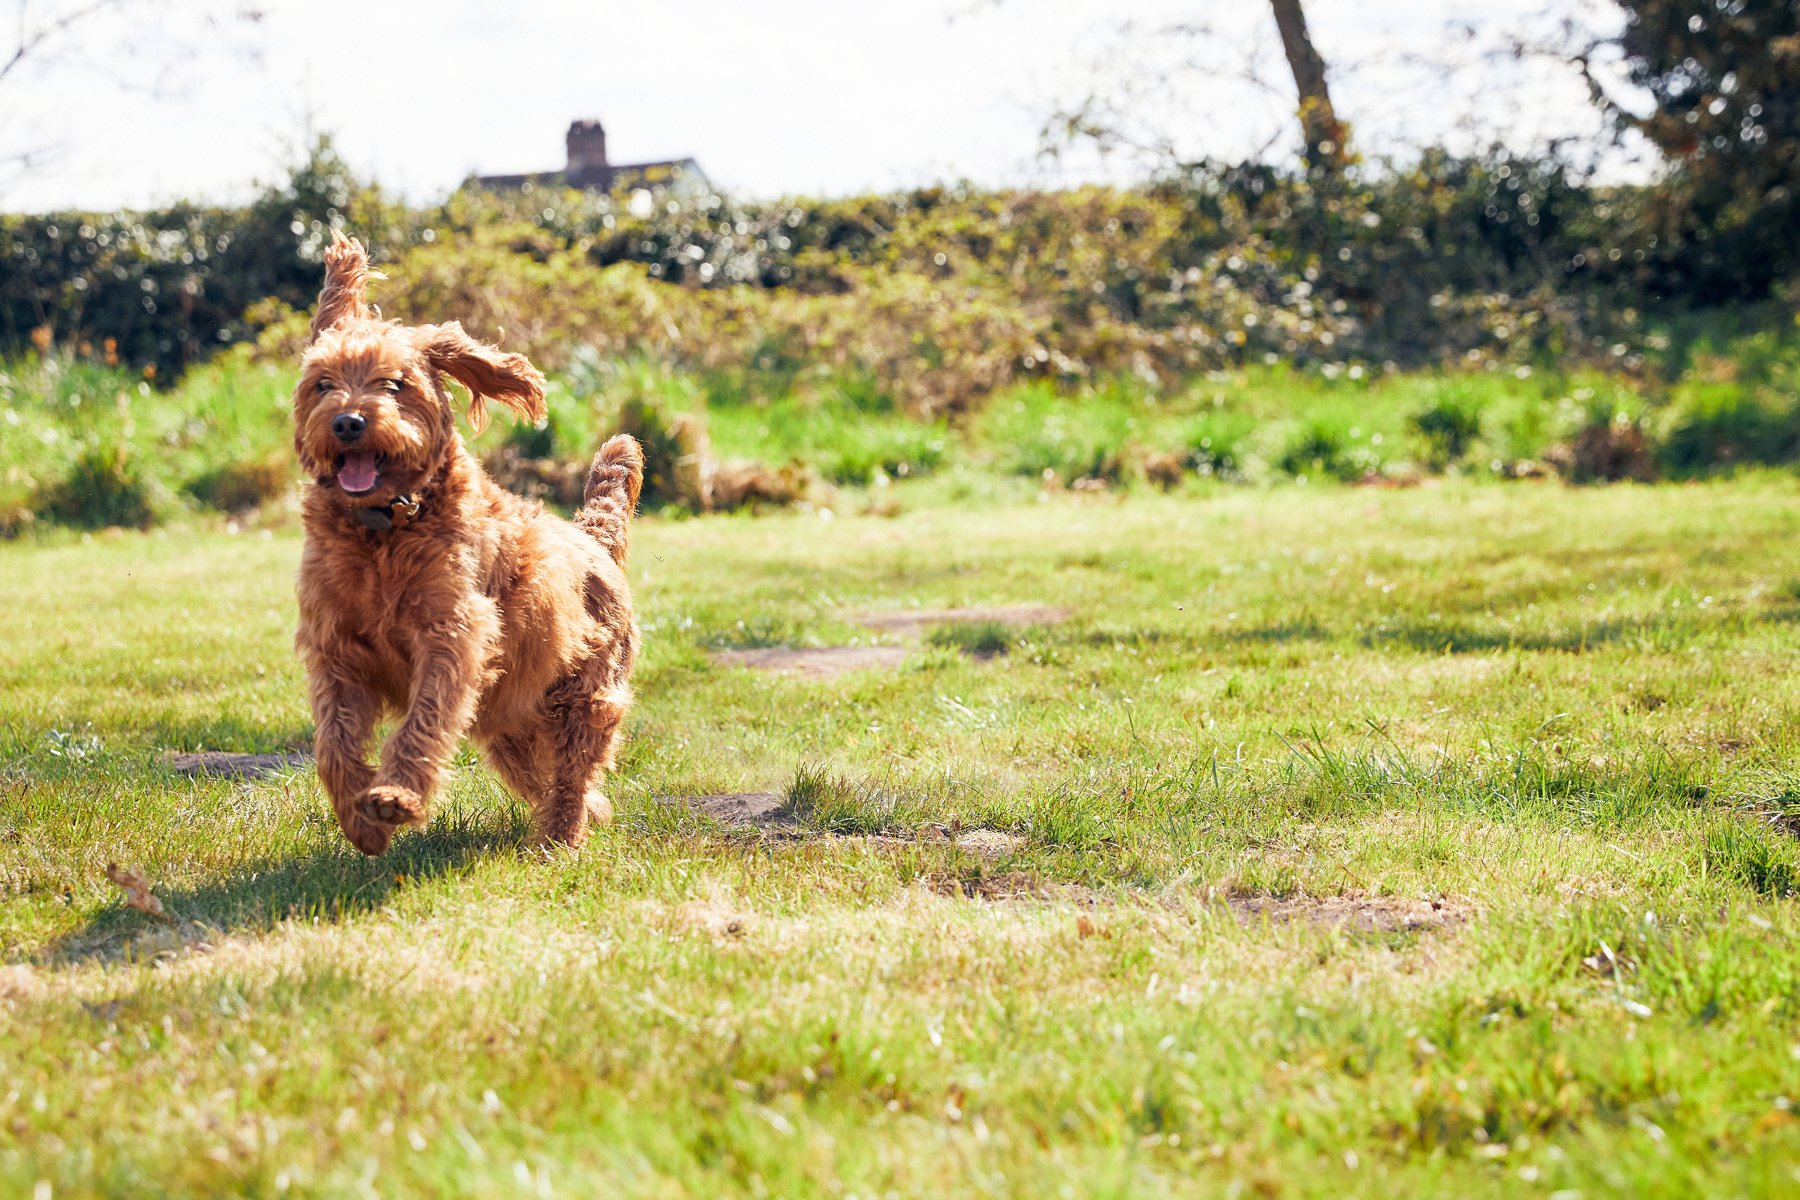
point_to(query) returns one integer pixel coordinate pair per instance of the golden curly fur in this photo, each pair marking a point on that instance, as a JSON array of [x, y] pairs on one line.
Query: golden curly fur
[[428, 592]]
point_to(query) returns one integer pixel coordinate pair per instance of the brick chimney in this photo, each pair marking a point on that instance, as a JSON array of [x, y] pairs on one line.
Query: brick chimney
[[587, 150]]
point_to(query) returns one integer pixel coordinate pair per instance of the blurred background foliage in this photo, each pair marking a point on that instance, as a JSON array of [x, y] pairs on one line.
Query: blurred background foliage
[[943, 293], [1723, 81], [1331, 318]]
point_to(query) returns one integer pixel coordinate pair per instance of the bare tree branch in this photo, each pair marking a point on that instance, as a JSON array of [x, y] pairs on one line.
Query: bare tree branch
[[86, 35], [31, 42]]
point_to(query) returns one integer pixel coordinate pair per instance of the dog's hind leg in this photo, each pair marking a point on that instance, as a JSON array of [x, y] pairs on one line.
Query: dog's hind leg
[[516, 757], [583, 738], [520, 760]]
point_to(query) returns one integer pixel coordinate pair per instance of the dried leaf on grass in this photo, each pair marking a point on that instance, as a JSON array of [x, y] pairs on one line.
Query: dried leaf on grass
[[137, 890]]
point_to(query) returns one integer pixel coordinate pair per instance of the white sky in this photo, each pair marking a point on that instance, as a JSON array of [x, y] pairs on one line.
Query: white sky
[[771, 96]]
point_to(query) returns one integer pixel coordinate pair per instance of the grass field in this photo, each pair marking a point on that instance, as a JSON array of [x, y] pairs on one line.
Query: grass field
[[1369, 842]]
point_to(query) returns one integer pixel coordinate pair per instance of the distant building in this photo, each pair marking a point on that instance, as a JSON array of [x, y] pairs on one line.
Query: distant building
[[589, 169]]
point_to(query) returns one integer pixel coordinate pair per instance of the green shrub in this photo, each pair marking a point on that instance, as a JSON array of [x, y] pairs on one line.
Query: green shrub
[[534, 440], [675, 451], [853, 432], [846, 430], [166, 289], [241, 485], [1324, 446], [1448, 427], [1719, 425], [1218, 444], [863, 393], [104, 487], [1605, 451], [858, 452], [1523, 435], [1043, 434]]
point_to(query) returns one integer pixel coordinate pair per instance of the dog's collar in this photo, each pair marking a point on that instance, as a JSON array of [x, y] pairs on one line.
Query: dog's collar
[[396, 513]]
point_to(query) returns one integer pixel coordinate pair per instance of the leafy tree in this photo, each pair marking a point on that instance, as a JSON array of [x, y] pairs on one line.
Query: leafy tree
[[1723, 79]]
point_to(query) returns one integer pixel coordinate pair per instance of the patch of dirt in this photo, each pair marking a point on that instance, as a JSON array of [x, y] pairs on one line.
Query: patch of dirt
[[1398, 481], [989, 843], [1588, 887], [1013, 885], [236, 766], [1364, 914], [737, 808], [820, 662], [912, 623], [715, 918], [766, 809]]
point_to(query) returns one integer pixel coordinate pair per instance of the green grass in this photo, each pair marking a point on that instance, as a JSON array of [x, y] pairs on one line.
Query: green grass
[[87, 446], [1568, 716]]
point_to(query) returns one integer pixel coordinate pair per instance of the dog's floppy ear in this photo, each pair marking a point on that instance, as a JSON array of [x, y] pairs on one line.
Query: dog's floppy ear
[[488, 372], [346, 277]]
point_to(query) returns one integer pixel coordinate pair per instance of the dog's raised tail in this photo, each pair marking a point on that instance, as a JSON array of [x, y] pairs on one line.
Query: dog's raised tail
[[611, 495]]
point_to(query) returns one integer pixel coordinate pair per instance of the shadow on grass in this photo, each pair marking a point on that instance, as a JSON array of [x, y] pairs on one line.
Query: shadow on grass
[[1455, 637], [328, 885], [1303, 629], [1465, 637]]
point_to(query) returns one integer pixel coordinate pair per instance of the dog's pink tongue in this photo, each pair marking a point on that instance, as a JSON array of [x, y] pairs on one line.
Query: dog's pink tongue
[[358, 472]]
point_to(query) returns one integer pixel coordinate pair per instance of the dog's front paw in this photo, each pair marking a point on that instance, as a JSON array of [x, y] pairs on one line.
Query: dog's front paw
[[372, 839], [387, 804]]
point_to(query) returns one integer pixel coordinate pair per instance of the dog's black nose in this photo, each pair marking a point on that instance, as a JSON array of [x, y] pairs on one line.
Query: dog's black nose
[[348, 426]]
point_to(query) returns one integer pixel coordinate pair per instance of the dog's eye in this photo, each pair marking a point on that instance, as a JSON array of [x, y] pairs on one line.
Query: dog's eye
[[392, 386], [323, 386]]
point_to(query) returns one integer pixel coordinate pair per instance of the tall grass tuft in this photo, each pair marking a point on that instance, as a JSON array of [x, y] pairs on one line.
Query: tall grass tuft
[[104, 487]]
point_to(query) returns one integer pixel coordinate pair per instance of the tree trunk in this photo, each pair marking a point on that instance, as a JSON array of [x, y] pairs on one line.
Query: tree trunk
[[1318, 120]]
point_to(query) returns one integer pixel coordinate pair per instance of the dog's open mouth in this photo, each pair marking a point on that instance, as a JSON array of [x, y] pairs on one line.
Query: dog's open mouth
[[358, 471]]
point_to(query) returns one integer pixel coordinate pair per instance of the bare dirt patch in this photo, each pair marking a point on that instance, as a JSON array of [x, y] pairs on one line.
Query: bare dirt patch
[[714, 917], [1014, 885], [989, 843], [768, 811], [738, 808], [236, 766], [817, 662], [911, 623], [1363, 914]]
